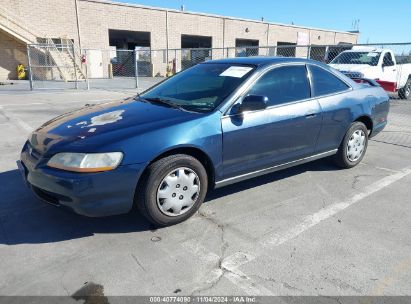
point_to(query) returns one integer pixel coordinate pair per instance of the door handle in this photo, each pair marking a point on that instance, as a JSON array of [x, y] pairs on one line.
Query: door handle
[[311, 115]]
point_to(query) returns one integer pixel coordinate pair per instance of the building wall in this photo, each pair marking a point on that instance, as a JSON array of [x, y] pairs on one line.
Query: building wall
[[279, 33], [58, 19], [238, 29], [187, 24], [96, 18], [321, 37], [346, 37], [46, 18], [180, 24], [12, 53]]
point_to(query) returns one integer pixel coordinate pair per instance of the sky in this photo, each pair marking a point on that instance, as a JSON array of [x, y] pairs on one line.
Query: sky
[[379, 21]]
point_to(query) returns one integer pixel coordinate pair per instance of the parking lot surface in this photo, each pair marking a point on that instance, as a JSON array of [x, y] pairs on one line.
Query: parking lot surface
[[308, 230]]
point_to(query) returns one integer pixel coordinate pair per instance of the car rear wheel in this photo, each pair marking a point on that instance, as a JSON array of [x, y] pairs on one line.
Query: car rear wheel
[[172, 189], [353, 147], [405, 92]]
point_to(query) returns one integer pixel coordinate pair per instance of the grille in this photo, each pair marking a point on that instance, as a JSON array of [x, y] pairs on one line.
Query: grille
[[46, 196]]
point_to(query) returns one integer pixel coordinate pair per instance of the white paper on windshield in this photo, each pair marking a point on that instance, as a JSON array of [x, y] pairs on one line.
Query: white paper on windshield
[[372, 54], [236, 71]]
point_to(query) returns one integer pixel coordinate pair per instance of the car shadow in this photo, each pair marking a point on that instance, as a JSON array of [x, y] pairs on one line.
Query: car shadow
[[24, 219], [319, 165]]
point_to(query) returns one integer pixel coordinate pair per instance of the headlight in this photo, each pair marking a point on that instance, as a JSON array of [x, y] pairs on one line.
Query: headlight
[[84, 162]]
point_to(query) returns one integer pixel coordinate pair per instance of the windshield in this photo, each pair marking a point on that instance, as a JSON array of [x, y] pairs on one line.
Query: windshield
[[201, 88], [370, 58]]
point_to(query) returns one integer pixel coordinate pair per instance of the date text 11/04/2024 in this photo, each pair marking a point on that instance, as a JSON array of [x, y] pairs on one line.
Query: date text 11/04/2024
[[203, 299]]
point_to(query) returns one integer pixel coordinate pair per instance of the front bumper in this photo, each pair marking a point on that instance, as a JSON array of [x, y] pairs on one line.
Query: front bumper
[[90, 194]]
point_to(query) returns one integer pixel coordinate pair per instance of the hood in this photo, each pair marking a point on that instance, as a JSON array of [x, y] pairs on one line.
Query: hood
[[365, 69], [88, 128]]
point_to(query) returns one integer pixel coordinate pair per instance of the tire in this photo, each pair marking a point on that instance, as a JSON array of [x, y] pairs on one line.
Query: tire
[[171, 182], [353, 147], [405, 92]]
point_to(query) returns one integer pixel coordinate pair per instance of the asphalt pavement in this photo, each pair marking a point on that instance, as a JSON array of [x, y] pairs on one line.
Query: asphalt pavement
[[307, 230]]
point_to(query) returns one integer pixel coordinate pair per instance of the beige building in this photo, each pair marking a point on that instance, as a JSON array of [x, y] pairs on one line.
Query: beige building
[[104, 25]]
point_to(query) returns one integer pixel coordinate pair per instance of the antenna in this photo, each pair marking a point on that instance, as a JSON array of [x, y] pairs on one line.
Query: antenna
[[355, 25]]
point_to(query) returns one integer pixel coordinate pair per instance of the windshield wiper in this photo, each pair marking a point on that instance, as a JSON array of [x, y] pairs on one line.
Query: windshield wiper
[[164, 102]]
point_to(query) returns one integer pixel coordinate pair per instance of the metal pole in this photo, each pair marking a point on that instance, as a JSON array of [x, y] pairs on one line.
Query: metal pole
[[327, 51], [86, 63], [308, 52], [136, 66], [30, 72], [78, 23], [167, 42], [75, 67]]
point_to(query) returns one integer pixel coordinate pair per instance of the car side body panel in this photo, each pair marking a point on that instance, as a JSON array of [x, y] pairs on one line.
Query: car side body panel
[[276, 135], [340, 110]]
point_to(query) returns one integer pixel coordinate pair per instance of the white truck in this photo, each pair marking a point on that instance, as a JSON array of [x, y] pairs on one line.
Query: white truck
[[380, 65]]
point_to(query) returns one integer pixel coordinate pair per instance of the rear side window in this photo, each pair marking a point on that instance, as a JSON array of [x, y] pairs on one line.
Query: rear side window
[[325, 83], [283, 84]]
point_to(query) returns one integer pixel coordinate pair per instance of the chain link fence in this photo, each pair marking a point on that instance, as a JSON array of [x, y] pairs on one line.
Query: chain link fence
[[60, 66], [55, 66], [119, 69]]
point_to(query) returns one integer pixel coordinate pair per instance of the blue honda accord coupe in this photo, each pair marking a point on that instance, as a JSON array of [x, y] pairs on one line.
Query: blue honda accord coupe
[[214, 124]]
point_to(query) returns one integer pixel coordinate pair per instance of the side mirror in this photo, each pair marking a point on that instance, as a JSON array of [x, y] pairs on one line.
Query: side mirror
[[253, 103]]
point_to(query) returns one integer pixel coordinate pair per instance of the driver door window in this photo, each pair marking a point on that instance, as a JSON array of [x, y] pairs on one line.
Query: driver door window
[[285, 132], [387, 61], [282, 85], [389, 72]]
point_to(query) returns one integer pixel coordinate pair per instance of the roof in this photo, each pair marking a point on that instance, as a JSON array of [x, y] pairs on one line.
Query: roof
[[216, 16], [259, 60], [366, 49]]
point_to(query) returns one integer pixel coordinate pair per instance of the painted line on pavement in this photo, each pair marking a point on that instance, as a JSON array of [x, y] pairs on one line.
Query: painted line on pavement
[[21, 124], [233, 262], [324, 214]]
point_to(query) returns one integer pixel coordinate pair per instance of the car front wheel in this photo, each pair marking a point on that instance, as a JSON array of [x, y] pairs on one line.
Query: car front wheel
[[172, 189], [353, 147]]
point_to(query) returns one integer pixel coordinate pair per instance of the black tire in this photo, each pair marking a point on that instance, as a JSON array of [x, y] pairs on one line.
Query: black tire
[[341, 158], [146, 192], [405, 92]]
